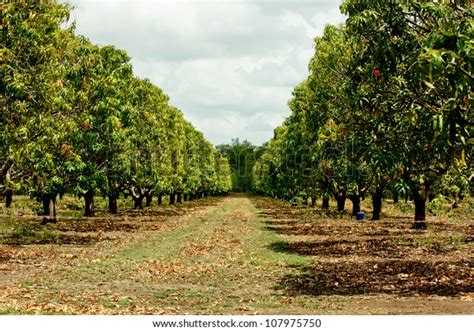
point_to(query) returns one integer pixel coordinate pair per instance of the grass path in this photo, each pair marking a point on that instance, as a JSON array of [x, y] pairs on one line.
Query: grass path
[[222, 259], [217, 262]]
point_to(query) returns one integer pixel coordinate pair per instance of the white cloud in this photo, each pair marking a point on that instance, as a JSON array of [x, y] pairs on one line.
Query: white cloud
[[230, 66]]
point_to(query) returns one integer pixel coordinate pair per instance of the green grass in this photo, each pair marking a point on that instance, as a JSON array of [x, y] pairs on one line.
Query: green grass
[[203, 282], [67, 206], [17, 232], [9, 311]]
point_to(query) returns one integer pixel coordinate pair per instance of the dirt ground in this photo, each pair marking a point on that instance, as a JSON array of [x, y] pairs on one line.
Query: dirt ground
[[376, 267], [235, 255]]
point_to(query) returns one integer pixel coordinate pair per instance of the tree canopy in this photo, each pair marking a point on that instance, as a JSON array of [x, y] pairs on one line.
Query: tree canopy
[[242, 156], [387, 105], [74, 117]]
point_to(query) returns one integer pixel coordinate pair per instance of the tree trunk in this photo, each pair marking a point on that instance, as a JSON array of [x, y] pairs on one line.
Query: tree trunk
[[185, 197], [138, 201], [178, 197], [8, 198], [325, 203], [160, 199], [148, 199], [313, 201], [341, 202], [455, 203], [46, 210], [377, 203], [113, 194], [172, 198], [89, 203], [355, 199], [53, 202], [113, 203], [49, 209], [395, 196], [419, 197], [305, 200]]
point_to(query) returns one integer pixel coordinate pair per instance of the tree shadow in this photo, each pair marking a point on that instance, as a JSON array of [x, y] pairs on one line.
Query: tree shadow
[[295, 229], [372, 257], [383, 247], [401, 277], [282, 222], [48, 238], [95, 225]]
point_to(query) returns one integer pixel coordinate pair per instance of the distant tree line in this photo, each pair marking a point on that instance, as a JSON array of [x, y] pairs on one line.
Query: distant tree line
[[242, 156]]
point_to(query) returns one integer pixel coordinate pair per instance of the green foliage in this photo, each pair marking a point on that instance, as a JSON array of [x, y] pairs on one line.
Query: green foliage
[[242, 157], [436, 206], [33, 121], [75, 118], [387, 103], [404, 207]]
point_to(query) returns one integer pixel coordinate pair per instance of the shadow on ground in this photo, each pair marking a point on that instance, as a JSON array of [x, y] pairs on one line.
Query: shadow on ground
[[371, 257], [47, 238], [384, 247], [402, 277]]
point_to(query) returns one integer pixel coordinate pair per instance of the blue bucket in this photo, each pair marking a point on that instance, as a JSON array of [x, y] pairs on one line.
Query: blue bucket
[[360, 216]]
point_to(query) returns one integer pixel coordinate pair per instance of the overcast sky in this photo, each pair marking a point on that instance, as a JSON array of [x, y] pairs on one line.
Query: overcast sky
[[230, 66]]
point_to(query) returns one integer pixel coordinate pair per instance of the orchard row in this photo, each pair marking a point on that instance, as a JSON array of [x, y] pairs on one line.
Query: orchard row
[[75, 118], [386, 109]]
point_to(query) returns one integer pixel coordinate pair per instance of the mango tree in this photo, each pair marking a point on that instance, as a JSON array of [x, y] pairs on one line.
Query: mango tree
[[408, 59], [101, 79], [148, 138], [33, 41]]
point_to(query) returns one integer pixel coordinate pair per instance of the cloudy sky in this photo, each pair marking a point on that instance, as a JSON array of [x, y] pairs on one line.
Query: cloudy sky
[[229, 65]]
